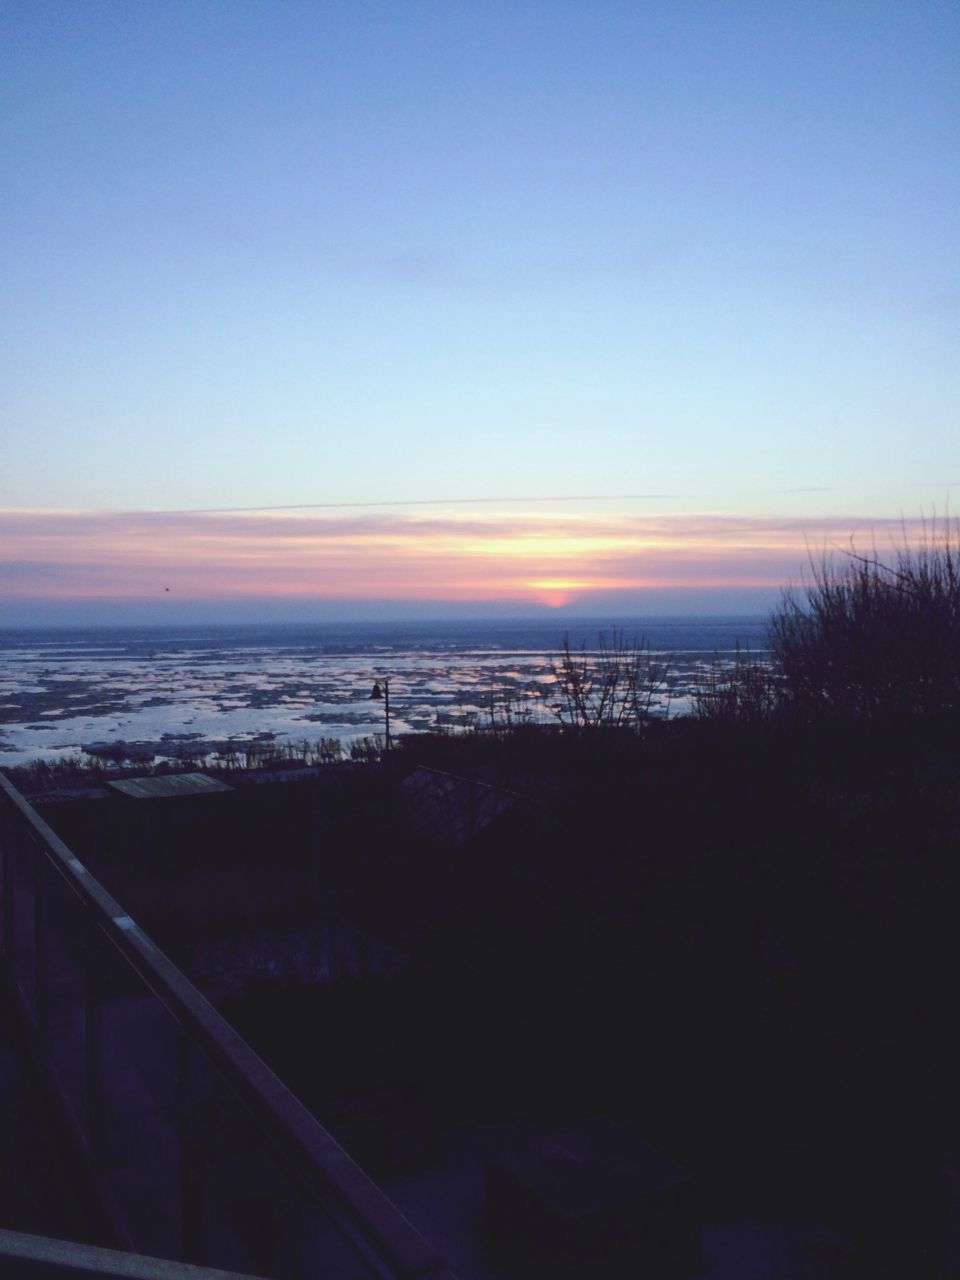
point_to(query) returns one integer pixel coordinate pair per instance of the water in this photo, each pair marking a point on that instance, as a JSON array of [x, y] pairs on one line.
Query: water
[[173, 690]]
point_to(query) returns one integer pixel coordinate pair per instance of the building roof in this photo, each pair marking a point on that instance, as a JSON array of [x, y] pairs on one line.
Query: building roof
[[588, 1167], [167, 785], [442, 806]]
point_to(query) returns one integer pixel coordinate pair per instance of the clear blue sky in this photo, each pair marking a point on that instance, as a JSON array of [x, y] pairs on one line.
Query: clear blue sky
[[270, 253]]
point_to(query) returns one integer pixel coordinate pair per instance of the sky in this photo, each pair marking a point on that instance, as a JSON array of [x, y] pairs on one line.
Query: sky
[[357, 309]]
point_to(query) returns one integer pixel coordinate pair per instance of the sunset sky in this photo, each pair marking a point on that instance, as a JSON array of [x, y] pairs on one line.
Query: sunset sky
[[323, 309]]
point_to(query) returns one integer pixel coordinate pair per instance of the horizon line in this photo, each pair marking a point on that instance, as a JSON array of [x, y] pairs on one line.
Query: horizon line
[[545, 618]]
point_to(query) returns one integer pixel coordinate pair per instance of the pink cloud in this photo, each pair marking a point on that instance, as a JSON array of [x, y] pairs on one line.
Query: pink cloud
[[77, 555]]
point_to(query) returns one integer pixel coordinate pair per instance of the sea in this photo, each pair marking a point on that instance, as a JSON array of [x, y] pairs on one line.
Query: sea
[[165, 693]]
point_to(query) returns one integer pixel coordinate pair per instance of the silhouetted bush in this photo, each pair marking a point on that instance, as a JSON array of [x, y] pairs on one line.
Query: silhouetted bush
[[746, 693], [614, 688], [869, 639], [873, 638], [367, 750]]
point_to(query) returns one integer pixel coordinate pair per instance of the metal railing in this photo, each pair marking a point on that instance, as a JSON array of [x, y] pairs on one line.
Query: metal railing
[[27, 1257], [195, 1148]]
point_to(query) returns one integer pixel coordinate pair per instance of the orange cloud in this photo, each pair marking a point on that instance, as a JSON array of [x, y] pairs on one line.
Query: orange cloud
[[546, 559]]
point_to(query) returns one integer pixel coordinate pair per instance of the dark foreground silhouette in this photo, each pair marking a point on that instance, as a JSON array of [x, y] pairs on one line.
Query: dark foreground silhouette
[[734, 935]]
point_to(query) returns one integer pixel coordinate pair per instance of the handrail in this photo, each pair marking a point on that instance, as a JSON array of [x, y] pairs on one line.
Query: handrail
[[313, 1157], [46, 1258]]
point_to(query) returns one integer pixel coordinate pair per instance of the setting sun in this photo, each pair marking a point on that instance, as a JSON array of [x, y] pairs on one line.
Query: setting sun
[[555, 593]]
